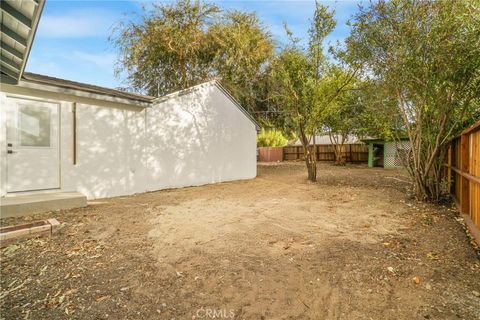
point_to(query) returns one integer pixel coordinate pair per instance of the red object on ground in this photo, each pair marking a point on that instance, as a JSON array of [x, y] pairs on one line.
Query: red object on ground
[[270, 154]]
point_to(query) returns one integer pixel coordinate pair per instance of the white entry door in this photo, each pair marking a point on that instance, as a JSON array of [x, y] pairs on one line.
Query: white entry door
[[33, 156]]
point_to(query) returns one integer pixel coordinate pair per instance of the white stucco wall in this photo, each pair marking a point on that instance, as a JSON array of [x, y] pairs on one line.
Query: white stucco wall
[[3, 144], [193, 139], [110, 143], [198, 138]]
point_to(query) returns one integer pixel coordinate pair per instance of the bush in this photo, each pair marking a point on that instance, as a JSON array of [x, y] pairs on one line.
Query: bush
[[271, 138]]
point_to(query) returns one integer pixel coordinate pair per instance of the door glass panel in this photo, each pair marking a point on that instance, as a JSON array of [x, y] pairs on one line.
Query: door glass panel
[[34, 126]]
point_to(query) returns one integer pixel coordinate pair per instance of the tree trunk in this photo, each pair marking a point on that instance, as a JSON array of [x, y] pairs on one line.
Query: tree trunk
[[339, 155], [429, 186], [310, 155], [311, 162], [337, 149]]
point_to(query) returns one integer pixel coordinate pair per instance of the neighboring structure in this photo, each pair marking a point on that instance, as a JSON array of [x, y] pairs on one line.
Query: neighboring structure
[[386, 154], [325, 139], [64, 136]]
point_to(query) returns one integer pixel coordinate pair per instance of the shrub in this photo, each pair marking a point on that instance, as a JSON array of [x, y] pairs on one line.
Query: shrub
[[271, 138]]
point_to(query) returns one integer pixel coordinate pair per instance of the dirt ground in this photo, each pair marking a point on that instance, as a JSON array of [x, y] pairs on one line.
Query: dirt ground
[[277, 247]]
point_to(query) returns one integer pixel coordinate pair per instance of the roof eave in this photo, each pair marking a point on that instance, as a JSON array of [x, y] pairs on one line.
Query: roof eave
[[35, 21], [82, 93], [12, 71]]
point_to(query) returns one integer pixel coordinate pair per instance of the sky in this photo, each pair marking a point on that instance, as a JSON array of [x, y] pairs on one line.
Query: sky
[[72, 37]]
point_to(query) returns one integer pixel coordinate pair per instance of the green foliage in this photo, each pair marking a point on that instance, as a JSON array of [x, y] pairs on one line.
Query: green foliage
[[168, 49], [322, 24], [304, 85], [423, 58], [295, 75], [291, 77], [337, 93], [271, 138], [242, 47], [177, 45]]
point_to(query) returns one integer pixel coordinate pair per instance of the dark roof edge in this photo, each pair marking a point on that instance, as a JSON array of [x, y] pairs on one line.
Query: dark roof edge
[[47, 80]]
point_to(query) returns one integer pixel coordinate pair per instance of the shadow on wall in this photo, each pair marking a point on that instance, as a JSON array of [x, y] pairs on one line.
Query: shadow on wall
[[192, 139], [110, 146], [197, 139]]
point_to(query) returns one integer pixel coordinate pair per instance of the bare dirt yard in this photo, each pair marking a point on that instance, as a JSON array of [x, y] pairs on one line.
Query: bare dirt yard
[[351, 246]]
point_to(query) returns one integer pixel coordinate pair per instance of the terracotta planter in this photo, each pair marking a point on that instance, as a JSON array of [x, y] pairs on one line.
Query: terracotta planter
[[270, 154]]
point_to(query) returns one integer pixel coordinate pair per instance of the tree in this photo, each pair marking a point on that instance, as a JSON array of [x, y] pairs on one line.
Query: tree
[[424, 56], [169, 49], [177, 45], [292, 90], [296, 76], [342, 109], [242, 48], [304, 84]]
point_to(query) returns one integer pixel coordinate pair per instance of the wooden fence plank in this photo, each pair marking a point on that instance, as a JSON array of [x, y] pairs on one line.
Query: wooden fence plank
[[463, 165]]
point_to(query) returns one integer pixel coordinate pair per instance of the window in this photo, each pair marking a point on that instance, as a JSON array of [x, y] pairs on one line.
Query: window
[[34, 126]]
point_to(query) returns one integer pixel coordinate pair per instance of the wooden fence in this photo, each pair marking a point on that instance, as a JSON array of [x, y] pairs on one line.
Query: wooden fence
[[463, 173], [351, 152]]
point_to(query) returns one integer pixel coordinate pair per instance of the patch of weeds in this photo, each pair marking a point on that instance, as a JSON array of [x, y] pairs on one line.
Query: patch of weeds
[[393, 271], [10, 250], [427, 220], [432, 255]]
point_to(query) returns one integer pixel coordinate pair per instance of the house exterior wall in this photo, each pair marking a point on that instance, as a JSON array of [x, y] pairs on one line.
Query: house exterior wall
[[110, 143], [3, 144], [198, 138], [193, 139]]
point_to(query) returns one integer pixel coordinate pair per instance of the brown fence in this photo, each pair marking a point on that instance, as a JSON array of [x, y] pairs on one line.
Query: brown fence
[[325, 152], [463, 172]]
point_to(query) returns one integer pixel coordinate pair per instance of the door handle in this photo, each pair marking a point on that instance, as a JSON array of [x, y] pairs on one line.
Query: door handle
[[11, 151]]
